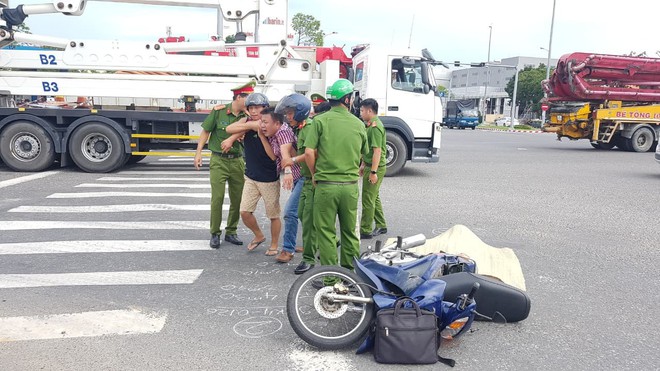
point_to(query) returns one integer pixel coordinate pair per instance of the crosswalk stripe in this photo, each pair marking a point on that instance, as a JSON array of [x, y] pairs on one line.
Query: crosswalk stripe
[[173, 277], [18, 225], [111, 208], [128, 194], [126, 179], [181, 159], [101, 246], [85, 324], [146, 185], [27, 178], [158, 172]]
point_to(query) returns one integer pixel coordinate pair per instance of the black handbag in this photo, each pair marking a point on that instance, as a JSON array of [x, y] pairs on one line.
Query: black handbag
[[406, 335]]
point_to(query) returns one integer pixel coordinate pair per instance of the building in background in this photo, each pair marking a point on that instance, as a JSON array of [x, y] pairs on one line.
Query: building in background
[[488, 83]]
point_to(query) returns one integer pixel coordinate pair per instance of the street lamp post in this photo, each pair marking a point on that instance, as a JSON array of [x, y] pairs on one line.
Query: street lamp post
[[547, 67], [490, 35], [513, 101]]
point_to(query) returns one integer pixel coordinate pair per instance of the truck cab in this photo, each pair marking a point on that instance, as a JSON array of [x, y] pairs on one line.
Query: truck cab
[[403, 85]]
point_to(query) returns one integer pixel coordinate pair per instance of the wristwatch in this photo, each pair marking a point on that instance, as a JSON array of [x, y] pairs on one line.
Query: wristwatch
[[374, 172], [293, 159]]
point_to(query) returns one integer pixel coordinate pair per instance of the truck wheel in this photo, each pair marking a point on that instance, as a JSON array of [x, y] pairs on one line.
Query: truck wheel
[[641, 140], [135, 159], [605, 146], [96, 148], [396, 154], [26, 146]]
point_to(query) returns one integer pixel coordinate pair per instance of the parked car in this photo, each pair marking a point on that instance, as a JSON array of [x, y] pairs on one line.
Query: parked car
[[505, 121]]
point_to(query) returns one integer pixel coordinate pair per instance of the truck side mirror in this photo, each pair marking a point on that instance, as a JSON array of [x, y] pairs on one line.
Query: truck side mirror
[[426, 78]]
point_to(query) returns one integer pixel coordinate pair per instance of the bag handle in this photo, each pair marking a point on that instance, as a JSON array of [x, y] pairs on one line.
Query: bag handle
[[399, 303]]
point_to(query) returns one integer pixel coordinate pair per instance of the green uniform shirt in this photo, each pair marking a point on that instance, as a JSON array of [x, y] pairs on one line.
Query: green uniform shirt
[[302, 134], [341, 140], [376, 137], [216, 123]]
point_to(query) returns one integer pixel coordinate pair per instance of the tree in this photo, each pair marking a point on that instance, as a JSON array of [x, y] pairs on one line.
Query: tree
[[308, 29], [529, 91]]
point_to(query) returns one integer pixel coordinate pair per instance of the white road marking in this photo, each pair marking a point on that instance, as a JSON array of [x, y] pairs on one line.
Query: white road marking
[[101, 246], [12, 281], [128, 194], [149, 185], [182, 159], [27, 178], [305, 357], [19, 225], [86, 324], [173, 172], [111, 208], [125, 179]]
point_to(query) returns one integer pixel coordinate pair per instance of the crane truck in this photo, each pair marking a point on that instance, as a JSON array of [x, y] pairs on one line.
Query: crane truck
[[149, 98], [610, 100]]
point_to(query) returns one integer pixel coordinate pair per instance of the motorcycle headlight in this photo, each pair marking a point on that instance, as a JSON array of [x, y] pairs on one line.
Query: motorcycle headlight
[[454, 328]]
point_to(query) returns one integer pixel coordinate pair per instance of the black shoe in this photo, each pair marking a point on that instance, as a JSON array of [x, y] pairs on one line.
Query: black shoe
[[215, 241], [232, 238], [318, 284], [366, 236], [379, 231], [303, 267]]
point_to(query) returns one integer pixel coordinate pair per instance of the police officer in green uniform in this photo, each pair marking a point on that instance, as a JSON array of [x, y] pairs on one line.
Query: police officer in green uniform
[[374, 171], [335, 146], [226, 165]]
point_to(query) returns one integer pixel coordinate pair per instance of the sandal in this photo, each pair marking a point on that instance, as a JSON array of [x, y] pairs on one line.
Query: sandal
[[254, 244], [271, 251]]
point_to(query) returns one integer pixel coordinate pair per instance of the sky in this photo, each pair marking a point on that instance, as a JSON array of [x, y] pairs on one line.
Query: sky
[[451, 30]]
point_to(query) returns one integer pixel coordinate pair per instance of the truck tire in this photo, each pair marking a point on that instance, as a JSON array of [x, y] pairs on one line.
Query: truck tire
[[96, 148], [26, 146], [602, 145], [641, 140], [135, 159], [396, 153]]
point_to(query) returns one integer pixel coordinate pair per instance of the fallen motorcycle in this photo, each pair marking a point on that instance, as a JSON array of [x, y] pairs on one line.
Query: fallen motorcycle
[[331, 307]]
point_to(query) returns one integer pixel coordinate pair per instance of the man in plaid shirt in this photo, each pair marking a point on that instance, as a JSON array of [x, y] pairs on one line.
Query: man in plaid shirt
[[283, 143]]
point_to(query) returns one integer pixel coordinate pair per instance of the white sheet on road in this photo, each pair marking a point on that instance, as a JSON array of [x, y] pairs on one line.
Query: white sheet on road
[[501, 263]]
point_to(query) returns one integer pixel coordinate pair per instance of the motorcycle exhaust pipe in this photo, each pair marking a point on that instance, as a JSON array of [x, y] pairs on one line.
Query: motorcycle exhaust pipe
[[349, 298]]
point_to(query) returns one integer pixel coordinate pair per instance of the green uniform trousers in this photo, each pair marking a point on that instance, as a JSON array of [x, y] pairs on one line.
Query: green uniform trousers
[[231, 171], [372, 208], [306, 216], [332, 201]]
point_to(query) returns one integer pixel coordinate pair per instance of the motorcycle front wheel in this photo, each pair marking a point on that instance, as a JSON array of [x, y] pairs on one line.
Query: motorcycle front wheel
[[325, 324]]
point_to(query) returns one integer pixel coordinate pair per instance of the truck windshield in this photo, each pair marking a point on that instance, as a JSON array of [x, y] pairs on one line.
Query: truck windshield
[[407, 75], [470, 113]]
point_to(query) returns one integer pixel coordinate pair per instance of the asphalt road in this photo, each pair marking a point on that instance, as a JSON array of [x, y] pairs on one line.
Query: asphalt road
[[585, 225]]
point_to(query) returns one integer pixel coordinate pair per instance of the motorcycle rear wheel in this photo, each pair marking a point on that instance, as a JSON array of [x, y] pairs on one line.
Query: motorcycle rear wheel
[[321, 323]]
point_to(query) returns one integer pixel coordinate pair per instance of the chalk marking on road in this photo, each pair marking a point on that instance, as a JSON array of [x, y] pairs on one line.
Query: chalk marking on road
[[111, 208], [128, 194], [174, 277], [19, 225], [85, 324], [101, 246], [158, 172], [126, 179], [146, 185], [27, 178], [521, 149]]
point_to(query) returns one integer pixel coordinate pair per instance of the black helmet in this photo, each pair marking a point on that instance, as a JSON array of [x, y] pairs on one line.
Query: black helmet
[[256, 99], [301, 106]]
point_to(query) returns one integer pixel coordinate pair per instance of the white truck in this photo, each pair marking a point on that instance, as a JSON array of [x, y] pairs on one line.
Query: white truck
[[148, 98]]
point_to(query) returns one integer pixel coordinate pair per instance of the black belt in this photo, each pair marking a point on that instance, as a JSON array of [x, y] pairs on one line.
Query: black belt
[[226, 155], [336, 183]]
